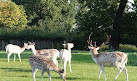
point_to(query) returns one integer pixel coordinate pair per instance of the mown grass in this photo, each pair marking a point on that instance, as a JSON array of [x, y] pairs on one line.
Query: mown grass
[[83, 69]]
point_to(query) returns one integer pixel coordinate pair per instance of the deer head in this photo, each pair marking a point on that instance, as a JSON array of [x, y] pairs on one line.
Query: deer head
[[68, 45], [94, 47], [63, 74], [31, 45]]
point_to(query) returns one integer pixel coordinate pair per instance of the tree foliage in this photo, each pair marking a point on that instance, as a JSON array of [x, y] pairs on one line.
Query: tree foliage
[[50, 15], [12, 15], [98, 16], [71, 20]]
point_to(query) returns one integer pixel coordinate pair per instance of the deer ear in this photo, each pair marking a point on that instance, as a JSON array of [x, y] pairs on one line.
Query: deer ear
[[61, 70], [25, 43], [97, 48], [90, 47], [63, 44], [33, 43]]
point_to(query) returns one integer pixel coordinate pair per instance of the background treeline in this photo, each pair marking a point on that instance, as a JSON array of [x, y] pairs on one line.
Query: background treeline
[[64, 20]]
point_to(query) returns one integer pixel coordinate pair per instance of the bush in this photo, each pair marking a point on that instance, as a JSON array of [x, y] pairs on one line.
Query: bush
[[127, 47], [106, 47], [12, 15], [123, 47]]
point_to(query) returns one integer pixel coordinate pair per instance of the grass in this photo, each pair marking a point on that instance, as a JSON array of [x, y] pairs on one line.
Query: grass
[[83, 69]]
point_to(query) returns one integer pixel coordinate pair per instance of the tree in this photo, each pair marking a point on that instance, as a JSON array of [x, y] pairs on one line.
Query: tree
[[50, 15], [129, 26], [96, 16], [107, 17], [12, 15], [116, 31]]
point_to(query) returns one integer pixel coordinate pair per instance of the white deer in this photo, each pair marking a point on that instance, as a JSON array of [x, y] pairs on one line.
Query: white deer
[[117, 59], [65, 55], [44, 64], [10, 48], [52, 53]]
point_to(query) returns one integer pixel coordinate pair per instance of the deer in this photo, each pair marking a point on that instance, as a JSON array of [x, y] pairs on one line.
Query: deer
[[104, 59], [10, 48], [43, 63], [52, 53], [65, 55]]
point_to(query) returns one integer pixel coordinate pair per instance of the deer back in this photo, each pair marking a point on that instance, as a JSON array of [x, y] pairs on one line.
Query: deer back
[[109, 58], [13, 48], [42, 61]]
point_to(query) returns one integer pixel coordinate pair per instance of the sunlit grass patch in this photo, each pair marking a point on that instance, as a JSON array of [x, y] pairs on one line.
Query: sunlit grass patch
[[83, 68]]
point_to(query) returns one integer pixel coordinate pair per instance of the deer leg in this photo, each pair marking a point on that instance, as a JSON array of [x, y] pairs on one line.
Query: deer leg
[[55, 62], [102, 68], [61, 63], [19, 57], [120, 70], [99, 74], [125, 70], [9, 54], [42, 72], [34, 70], [49, 75], [14, 57], [70, 65], [126, 73], [65, 62], [118, 73]]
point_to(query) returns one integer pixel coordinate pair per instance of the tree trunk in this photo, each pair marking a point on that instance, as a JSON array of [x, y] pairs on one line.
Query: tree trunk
[[116, 31]]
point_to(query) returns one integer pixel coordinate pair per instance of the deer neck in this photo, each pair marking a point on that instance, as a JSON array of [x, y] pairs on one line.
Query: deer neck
[[34, 50], [53, 67], [56, 69], [94, 55], [94, 52], [69, 49], [63, 75], [22, 49], [59, 71]]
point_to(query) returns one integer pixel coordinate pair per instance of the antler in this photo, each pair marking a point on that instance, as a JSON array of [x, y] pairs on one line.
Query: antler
[[104, 43], [107, 40], [90, 41]]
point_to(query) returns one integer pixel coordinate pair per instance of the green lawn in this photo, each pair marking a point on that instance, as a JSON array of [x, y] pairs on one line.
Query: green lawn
[[83, 69]]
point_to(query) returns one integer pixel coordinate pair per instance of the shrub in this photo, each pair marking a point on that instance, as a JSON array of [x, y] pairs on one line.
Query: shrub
[[12, 15], [127, 47], [106, 47], [123, 47]]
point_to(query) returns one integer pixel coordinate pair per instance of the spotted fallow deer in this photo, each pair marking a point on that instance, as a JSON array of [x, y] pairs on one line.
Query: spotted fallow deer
[[10, 48], [103, 59], [52, 53], [43, 63], [65, 55]]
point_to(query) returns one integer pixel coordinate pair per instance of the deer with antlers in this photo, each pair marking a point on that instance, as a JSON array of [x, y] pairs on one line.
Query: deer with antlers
[[104, 59]]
